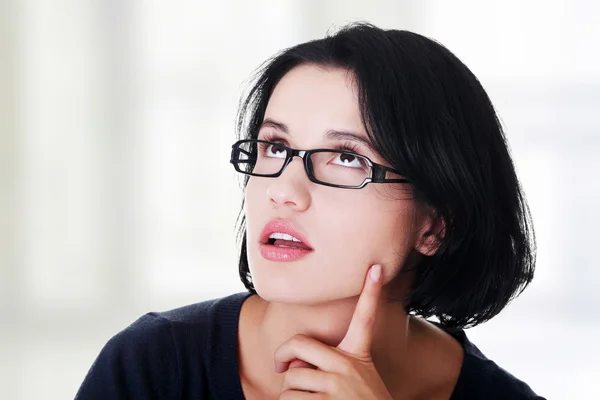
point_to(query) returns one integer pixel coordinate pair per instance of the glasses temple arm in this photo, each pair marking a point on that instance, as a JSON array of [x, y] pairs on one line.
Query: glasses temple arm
[[379, 172]]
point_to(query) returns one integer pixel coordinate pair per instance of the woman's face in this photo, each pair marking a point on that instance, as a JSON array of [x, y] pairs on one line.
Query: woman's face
[[348, 230]]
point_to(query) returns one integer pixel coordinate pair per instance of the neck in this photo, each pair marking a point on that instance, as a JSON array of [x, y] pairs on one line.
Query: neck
[[328, 322]]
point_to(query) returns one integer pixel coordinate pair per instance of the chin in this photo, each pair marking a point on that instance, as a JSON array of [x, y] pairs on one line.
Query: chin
[[281, 292], [294, 293]]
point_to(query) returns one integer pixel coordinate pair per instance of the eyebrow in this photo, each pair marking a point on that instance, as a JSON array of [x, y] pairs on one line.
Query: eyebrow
[[331, 134]]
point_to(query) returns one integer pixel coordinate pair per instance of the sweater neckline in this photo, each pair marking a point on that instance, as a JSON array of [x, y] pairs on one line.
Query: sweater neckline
[[228, 327]]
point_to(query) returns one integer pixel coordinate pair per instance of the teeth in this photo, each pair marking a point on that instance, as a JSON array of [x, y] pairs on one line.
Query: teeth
[[284, 236]]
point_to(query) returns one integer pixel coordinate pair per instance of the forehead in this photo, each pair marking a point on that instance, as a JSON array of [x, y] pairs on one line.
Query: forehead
[[312, 98]]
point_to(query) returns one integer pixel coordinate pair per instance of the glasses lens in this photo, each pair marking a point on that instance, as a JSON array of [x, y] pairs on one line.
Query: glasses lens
[[260, 158], [339, 168]]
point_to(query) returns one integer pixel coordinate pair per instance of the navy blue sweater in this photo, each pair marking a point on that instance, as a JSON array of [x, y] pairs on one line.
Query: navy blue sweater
[[191, 353]]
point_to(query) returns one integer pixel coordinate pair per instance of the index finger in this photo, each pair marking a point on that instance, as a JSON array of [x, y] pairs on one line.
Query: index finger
[[359, 336]]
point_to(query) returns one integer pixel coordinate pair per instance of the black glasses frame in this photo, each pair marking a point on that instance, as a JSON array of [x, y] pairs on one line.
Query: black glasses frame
[[377, 172]]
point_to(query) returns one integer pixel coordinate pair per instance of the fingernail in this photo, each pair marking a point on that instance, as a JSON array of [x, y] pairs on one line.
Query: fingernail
[[375, 273]]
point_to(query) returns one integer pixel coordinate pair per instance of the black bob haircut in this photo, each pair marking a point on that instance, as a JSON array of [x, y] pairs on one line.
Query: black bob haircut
[[429, 117]]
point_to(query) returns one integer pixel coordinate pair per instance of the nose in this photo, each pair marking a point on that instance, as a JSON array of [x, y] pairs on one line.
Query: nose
[[290, 189]]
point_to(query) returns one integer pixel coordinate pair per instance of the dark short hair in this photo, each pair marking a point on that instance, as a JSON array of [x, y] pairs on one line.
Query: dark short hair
[[429, 117]]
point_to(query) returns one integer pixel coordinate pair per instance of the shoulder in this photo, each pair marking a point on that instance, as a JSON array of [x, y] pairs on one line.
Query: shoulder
[[150, 357], [137, 362], [482, 378], [206, 312], [163, 330]]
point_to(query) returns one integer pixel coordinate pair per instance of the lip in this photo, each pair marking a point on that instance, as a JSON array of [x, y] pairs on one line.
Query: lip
[[276, 253], [283, 226]]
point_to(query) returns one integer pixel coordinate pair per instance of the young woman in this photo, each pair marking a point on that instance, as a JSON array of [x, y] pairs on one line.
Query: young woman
[[379, 192]]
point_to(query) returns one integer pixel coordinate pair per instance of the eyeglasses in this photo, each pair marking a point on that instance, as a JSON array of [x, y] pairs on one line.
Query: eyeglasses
[[336, 168]]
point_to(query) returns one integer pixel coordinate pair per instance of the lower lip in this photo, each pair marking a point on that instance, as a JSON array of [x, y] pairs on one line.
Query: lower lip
[[278, 253]]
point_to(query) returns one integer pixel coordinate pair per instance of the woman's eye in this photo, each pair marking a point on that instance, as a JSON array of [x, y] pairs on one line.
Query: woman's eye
[[349, 160], [274, 150]]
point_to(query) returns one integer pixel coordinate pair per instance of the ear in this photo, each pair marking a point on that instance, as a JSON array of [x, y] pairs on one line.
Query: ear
[[431, 233]]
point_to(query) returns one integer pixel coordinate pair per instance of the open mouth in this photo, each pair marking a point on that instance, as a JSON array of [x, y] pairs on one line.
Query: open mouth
[[286, 241], [277, 249], [281, 241]]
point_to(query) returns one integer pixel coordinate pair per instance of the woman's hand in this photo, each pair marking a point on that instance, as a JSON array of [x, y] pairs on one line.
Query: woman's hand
[[345, 372]]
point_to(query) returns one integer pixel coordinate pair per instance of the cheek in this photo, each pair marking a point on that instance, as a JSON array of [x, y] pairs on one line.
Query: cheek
[[254, 203], [370, 231]]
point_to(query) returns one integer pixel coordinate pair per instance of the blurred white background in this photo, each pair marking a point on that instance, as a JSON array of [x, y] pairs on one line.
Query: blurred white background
[[117, 198]]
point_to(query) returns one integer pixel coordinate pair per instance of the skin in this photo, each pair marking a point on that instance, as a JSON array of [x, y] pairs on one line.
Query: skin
[[307, 312]]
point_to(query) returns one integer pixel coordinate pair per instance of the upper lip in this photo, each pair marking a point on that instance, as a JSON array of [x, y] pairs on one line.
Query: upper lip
[[282, 226]]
